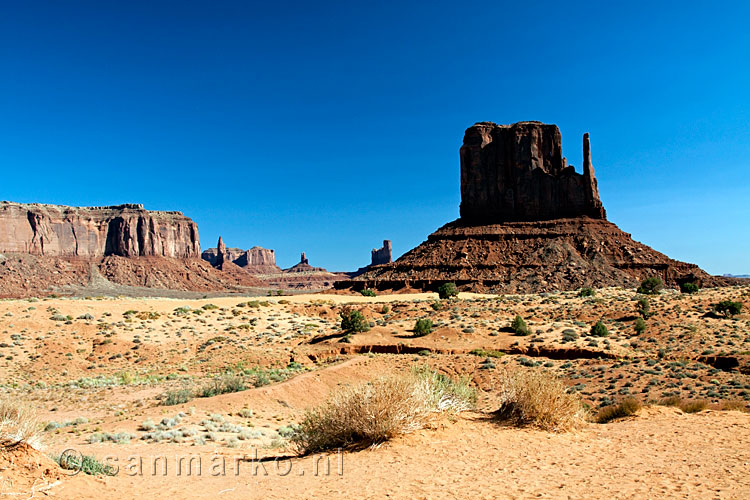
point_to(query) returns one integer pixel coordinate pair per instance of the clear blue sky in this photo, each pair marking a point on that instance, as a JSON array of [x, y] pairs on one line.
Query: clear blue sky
[[326, 127]]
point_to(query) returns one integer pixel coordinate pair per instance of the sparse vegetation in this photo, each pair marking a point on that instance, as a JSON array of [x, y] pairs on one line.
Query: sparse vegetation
[[368, 293], [643, 307], [651, 286], [586, 292], [353, 321], [519, 326], [380, 410], [18, 423], [422, 327], [728, 308], [639, 326], [599, 330], [88, 464], [447, 291], [535, 397], [625, 408], [689, 288]]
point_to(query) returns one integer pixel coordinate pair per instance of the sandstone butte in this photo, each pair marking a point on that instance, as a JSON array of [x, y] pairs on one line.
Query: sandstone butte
[[45, 248], [125, 230], [528, 223]]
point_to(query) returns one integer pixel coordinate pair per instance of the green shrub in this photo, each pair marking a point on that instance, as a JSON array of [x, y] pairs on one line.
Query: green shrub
[[643, 306], [88, 464], [586, 292], [640, 326], [519, 326], [487, 353], [689, 287], [223, 385], [728, 308], [651, 286], [599, 330], [353, 321], [625, 408], [447, 291], [176, 397], [368, 293], [422, 327]]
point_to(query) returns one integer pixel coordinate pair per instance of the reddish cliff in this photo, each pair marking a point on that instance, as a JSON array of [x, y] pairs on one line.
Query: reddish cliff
[[124, 230], [383, 255], [256, 260], [529, 223], [517, 173]]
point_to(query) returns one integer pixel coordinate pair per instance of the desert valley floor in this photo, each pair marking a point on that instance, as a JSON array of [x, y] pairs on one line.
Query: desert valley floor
[[117, 378]]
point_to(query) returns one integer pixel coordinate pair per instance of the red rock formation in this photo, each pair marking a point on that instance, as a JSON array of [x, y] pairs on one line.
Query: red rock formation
[[517, 173], [382, 255], [256, 260], [529, 223], [125, 230], [221, 254]]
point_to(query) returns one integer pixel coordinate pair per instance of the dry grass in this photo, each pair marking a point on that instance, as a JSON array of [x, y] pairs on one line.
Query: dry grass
[[539, 399], [18, 423], [367, 414], [624, 408]]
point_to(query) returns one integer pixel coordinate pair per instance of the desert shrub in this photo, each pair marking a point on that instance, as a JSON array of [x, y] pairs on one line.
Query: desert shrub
[[689, 287], [371, 413], [88, 464], [18, 423], [487, 353], [639, 326], [728, 308], [599, 330], [624, 408], [368, 293], [209, 307], [519, 326], [422, 327], [535, 397], [447, 291], [671, 401], [694, 406], [586, 292], [353, 321], [223, 385], [643, 307], [176, 397], [651, 286]]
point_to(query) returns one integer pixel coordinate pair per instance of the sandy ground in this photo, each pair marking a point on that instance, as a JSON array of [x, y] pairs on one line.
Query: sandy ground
[[105, 370]]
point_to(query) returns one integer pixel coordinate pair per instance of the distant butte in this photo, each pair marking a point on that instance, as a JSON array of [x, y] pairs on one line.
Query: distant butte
[[529, 223]]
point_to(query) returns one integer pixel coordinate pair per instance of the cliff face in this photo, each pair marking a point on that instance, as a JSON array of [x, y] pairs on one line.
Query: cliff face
[[529, 223], [517, 173], [383, 255], [122, 230], [256, 260]]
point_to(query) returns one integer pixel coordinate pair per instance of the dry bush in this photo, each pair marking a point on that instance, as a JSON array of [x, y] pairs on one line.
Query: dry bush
[[18, 424], [694, 406], [734, 405], [624, 408], [367, 414], [537, 398]]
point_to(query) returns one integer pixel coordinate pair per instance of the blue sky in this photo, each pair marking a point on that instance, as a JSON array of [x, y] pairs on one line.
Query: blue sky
[[327, 127]]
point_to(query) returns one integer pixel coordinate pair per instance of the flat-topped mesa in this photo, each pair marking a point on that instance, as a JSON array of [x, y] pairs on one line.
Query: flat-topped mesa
[[123, 230], [382, 255], [517, 173]]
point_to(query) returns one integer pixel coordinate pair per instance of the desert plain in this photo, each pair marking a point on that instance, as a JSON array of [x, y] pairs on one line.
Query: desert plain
[[202, 397]]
